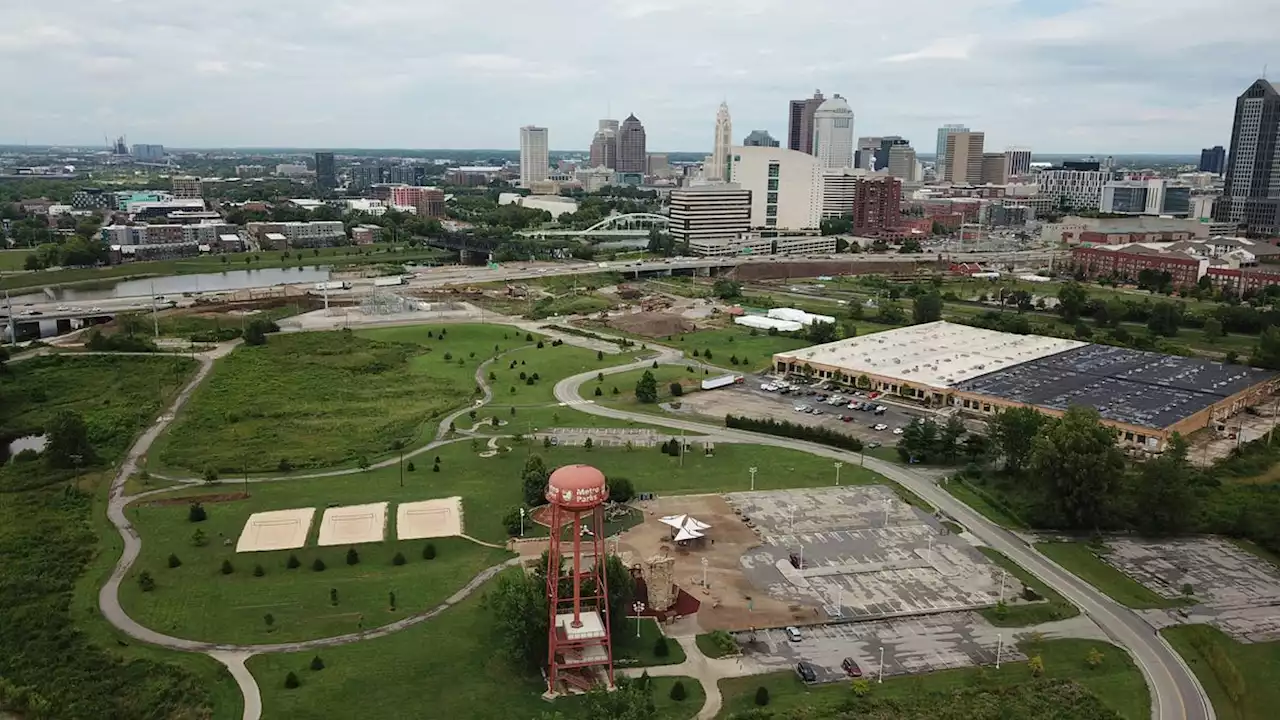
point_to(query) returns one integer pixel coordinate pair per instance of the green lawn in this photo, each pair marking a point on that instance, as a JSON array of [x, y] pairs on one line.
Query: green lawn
[[383, 253], [968, 692], [754, 352], [184, 324], [632, 651], [12, 259], [985, 504], [510, 375], [1240, 678], [454, 658], [323, 399], [707, 644], [1081, 560], [626, 384], [1022, 614]]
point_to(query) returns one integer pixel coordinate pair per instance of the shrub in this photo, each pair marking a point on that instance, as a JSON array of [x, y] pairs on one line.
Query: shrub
[[512, 521], [197, 513], [621, 490], [528, 337], [258, 571], [269, 619], [784, 428], [284, 465], [146, 582], [210, 475], [448, 356], [435, 468], [409, 467], [1036, 664], [294, 563], [616, 391], [333, 596], [599, 355], [1094, 658], [523, 375], [353, 558], [227, 569], [528, 381], [317, 565], [540, 345], [316, 663], [198, 538], [676, 389], [660, 648], [861, 687], [429, 552], [291, 681], [762, 696], [174, 561], [678, 692], [398, 559]]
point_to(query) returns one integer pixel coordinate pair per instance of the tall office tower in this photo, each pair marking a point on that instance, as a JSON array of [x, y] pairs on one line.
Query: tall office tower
[[877, 204], [326, 180], [188, 188], [604, 145], [759, 138], [724, 140], [963, 158], [833, 134], [993, 169], [535, 157], [800, 122], [709, 212], [658, 164], [1251, 193], [631, 143], [1017, 161], [785, 185], [939, 160], [864, 156], [887, 144], [902, 162], [152, 153], [1212, 159]]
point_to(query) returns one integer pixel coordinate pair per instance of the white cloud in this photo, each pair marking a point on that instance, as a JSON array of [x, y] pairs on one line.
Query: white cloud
[[1088, 76]]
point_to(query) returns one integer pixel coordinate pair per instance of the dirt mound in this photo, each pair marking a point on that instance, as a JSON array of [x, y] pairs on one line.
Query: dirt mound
[[652, 324]]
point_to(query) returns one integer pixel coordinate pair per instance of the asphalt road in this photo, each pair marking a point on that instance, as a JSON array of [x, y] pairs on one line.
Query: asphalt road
[[1176, 694]]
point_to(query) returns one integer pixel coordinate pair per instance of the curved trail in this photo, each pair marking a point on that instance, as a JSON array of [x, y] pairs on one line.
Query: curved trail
[[1176, 693]]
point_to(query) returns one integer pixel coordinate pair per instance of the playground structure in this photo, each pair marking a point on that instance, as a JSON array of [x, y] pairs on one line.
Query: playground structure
[[579, 642]]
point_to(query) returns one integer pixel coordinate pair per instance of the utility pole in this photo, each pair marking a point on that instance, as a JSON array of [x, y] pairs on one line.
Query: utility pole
[[155, 323], [999, 648], [13, 331]]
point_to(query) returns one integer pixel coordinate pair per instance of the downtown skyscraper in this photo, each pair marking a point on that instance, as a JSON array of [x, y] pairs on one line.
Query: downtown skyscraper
[[1251, 192], [800, 122], [940, 158], [719, 169], [535, 157], [631, 146]]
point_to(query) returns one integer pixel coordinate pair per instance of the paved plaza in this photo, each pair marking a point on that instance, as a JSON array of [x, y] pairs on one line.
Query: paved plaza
[[864, 554], [910, 645], [1235, 590]]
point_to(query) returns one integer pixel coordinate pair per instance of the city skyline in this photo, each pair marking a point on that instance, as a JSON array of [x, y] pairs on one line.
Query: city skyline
[[1064, 76]]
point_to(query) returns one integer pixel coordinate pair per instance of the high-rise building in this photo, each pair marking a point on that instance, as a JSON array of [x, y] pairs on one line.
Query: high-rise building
[[363, 177], [658, 165], [709, 212], [426, 201], [940, 159], [1017, 161], [604, 145], [864, 156], [1077, 185], [902, 162], [326, 179], [631, 146], [147, 153], [1212, 159], [993, 168], [719, 169], [759, 138], [800, 122], [887, 144], [535, 158], [1157, 196], [1251, 193], [877, 204], [785, 185], [188, 188], [833, 134], [962, 157]]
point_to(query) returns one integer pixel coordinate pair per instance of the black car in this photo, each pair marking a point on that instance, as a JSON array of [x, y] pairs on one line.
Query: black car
[[806, 672]]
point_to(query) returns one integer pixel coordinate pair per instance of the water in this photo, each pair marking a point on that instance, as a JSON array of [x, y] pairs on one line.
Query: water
[[28, 442], [179, 284]]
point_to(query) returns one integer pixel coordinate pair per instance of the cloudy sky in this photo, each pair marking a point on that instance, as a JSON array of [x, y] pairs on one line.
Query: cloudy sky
[[1101, 76]]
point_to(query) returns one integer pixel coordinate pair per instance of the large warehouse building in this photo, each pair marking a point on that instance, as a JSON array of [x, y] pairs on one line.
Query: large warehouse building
[[1146, 396]]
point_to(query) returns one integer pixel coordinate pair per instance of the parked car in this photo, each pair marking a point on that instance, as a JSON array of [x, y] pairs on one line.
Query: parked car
[[897, 431], [846, 418], [793, 633], [806, 672], [851, 668], [880, 409], [873, 444], [880, 426]]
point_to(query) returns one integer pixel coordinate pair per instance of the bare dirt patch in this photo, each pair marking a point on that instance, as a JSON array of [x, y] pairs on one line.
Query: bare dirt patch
[[652, 324]]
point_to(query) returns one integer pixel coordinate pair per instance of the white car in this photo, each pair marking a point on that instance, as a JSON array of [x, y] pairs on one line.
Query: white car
[[880, 426], [802, 408], [897, 431], [793, 633]]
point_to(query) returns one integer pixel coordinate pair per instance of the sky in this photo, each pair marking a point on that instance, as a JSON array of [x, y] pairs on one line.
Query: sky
[[1058, 76]]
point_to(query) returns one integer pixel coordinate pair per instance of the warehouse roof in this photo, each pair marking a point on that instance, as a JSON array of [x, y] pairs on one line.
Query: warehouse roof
[[937, 354], [1130, 386]]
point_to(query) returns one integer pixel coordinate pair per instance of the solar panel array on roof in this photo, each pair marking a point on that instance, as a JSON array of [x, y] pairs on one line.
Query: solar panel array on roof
[[1130, 386]]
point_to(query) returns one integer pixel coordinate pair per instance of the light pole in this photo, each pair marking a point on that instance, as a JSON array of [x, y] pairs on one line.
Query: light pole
[[753, 477], [881, 678], [1002, 574], [838, 466], [929, 552], [792, 512], [704, 571], [886, 513], [639, 608], [999, 648], [521, 522]]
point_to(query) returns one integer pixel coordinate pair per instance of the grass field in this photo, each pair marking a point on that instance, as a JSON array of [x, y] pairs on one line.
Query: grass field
[[453, 657], [549, 364], [1055, 606], [325, 399], [1081, 560], [978, 500], [12, 259], [626, 384], [754, 352], [1116, 682], [366, 255], [1240, 678], [630, 650], [183, 324]]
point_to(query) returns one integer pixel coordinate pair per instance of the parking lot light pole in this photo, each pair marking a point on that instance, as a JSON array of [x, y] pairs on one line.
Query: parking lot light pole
[[792, 510], [639, 608], [999, 648], [521, 522], [881, 679], [930, 550], [705, 562], [753, 472], [838, 466], [1002, 574]]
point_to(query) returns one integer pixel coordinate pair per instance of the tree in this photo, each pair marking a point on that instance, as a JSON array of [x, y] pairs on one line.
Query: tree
[[1165, 318], [1078, 467], [227, 568], [317, 664], [146, 582], [517, 603], [317, 565], [647, 388], [621, 490], [174, 561], [1266, 354], [269, 620], [210, 474], [429, 552], [726, 289], [67, 443], [927, 307], [198, 538], [1036, 664], [255, 333], [678, 691], [291, 680], [762, 696], [353, 557], [660, 648], [512, 521], [949, 436], [1213, 328], [1164, 498], [534, 478], [861, 687], [588, 443], [818, 333], [196, 512], [631, 700], [1072, 299], [1094, 658], [1012, 433], [676, 389]]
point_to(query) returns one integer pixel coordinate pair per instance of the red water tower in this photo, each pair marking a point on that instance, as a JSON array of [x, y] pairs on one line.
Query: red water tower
[[579, 642]]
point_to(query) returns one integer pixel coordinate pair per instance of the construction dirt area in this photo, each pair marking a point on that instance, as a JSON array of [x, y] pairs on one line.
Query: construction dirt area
[[1214, 443]]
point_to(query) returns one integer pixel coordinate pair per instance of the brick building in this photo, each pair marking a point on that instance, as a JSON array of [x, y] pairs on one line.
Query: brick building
[[1244, 280], [877, 204], [1103, 237], [426, 201], [1127, 262]]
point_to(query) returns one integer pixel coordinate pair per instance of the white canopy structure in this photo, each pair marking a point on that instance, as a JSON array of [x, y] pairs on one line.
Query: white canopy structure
[[686, 526], [687, 534]]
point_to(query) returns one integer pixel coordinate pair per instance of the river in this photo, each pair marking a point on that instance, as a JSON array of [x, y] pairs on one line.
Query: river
[[178, 284]]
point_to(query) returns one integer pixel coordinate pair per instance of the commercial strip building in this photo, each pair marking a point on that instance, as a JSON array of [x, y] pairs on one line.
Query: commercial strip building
[[321, 233], [1145, 396]]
